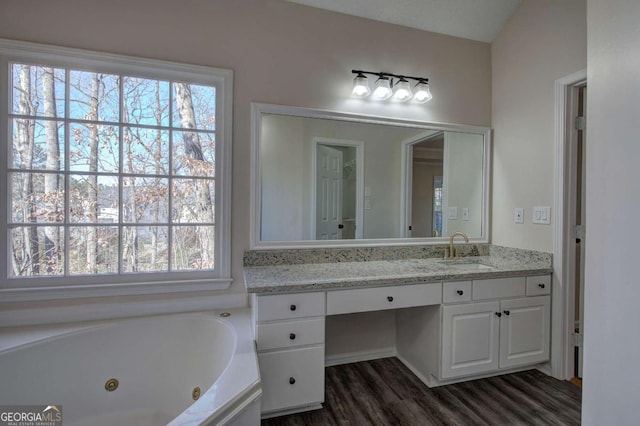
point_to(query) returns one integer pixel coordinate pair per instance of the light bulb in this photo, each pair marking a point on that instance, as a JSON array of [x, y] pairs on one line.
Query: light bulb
[[423, 94], [402, 91], [360, 86], [383, 88]]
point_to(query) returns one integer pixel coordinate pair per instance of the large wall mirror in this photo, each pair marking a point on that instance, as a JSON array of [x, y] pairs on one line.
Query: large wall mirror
[[324, 178]]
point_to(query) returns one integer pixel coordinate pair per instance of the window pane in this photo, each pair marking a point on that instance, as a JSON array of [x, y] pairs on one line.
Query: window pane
[[194, 154], [146, 151], [38, 90], [146, 101], [94, 96], [145, 200], [37, 251], [37, 197], [93, 199], [93, 148], [37, 144], [93, 250], [194, 106], [193, 201], [193, 248], [145, 249]]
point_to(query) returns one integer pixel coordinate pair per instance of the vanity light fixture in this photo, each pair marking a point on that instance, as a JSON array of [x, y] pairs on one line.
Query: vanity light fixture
[[385, 87]]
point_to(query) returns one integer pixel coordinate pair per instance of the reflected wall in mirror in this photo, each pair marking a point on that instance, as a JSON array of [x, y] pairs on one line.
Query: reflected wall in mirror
[[325, 178]]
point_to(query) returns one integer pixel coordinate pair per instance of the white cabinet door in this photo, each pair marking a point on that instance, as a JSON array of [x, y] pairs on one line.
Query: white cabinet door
[[470, 338], [524, 331]]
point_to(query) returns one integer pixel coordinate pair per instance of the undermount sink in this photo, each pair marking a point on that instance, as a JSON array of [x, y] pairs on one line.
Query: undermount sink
[[471, 266], [466, 264]]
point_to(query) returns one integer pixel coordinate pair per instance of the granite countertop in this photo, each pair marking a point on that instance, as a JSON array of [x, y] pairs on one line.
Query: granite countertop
[[355, 274]]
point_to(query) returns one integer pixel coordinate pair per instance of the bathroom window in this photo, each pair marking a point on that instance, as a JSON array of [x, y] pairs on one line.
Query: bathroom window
[[116, 170]]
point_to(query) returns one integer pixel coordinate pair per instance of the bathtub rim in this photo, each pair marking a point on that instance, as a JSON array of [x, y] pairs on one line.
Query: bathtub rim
[[237, 386]]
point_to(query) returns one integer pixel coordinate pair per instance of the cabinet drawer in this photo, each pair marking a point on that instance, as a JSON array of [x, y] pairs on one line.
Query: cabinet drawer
[[498, 288], [456, 291], [292, 378], [290, 333], [381, 298], [538, 285], [289, 306]]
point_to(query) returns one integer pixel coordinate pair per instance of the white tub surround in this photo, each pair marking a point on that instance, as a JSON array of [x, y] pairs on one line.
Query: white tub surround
[[157, 362], [454, 320]]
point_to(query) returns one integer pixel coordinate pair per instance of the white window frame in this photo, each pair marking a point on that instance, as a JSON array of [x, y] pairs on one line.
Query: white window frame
[[47, 288]]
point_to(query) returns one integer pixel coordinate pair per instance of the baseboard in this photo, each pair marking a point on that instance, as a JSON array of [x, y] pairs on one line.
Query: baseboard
[[288, 411], [359, 356], [415, 371], [546, 369]]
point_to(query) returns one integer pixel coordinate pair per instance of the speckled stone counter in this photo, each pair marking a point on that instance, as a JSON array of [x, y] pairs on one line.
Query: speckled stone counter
[[271, 271]]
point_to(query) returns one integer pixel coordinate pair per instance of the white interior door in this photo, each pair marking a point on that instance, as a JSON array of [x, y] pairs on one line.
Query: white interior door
[[328, 193]]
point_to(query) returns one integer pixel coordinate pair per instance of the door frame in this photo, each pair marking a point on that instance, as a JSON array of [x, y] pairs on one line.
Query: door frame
[[406, 184], [563, 288], [359, 146]]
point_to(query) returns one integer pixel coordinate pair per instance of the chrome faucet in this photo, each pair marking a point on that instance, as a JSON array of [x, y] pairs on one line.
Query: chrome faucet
[[451, 252]]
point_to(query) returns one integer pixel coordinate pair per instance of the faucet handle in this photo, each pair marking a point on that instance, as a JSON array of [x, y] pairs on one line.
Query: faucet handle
[[447, 255], [456, 253]]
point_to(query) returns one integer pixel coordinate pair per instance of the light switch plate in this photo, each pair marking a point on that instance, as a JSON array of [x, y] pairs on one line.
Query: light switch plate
[[452, 213], [465, 213], [518, 215], [541, 215]]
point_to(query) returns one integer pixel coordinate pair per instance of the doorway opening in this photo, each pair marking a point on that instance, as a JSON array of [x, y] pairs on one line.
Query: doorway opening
[[569, 227], [424, 186]]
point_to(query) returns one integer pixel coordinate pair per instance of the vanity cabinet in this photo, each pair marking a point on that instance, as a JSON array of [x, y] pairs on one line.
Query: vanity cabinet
[[289, 332], [507, 324], [484, 336]]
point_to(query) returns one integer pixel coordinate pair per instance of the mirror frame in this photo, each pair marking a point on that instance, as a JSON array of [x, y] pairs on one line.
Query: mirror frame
[[258, 109]]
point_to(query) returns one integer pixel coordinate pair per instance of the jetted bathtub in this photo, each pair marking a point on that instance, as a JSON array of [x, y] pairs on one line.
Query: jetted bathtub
[[183, 369]]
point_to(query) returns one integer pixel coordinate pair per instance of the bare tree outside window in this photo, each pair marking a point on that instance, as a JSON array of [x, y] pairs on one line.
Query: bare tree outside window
[[109, 174]]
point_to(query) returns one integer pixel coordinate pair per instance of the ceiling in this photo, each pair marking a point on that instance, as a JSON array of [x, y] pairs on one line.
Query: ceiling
[[479, 20]]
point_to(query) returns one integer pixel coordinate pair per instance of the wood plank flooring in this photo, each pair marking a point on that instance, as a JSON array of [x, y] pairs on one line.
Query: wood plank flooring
[[385, 392]]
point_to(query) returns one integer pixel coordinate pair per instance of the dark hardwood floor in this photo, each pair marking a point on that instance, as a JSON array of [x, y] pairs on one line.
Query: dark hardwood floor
[[385, 392]]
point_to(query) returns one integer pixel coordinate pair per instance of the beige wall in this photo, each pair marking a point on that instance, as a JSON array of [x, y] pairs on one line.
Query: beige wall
[[611, 377], [463, 160], [280, 53], [545, 40]]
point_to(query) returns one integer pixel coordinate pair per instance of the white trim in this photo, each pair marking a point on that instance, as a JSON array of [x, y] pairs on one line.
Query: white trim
[[359, 146], [562, 295], [406, 169], [106, 290], [131, 306], [48, 288], [258, 109], [350, 357]]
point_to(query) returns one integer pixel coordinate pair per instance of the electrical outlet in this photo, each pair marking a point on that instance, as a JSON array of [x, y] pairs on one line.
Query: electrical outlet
[[465, 213], [518, 215]]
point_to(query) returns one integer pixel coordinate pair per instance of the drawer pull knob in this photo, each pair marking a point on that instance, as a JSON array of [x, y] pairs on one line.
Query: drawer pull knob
[[292, 307], [292, 380], [507, 312], [390, 299], [541, 285], [498, 314], [460, 292], [292, 336]]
